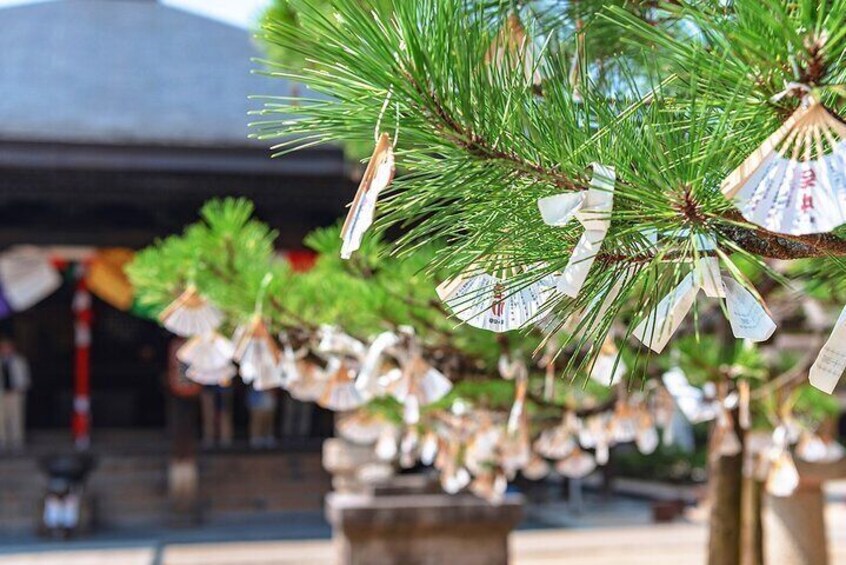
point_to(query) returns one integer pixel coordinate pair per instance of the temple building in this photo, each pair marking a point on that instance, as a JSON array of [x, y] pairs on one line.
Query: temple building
[[118, 120]]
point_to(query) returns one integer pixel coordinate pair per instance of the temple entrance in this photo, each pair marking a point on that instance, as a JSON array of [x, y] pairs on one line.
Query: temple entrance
[[128, 360]]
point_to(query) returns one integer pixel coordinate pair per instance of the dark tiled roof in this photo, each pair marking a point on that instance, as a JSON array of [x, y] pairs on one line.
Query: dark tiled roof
[[125, 72]]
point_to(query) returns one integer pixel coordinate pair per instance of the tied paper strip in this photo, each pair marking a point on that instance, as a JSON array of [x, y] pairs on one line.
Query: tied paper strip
[[593, 210], [747, 316], [378, 175], [516, 414], [831, 362], [659, 326], [366, 381]]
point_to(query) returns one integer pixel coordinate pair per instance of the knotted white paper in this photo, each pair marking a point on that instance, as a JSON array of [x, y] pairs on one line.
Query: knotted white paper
[[593, 210], [707, 275], [747, 316], [831, 362], [366, 381], [659, 326], [378, 175]]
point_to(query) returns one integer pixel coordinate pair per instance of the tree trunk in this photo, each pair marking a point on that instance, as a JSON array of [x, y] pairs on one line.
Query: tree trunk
[[751, 533], [724, 490]]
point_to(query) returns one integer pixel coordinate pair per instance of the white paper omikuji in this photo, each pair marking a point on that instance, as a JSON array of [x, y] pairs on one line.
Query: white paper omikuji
[[646, 439], [361, 427], [191, 314], [747, 316], [536, 469], [341, 396], [333, 341], [215, 377], [455, 479], [707, 275], [486, 302], [608, 368], [422, 381], [689, 399], [577, 466], [429, 448], [659, 326], [516, 415], [207, 352], [367, 380], [27, 276], [831, 362], [783, 479], [378, 175], [555, 443], [592, 208], [795, 182]]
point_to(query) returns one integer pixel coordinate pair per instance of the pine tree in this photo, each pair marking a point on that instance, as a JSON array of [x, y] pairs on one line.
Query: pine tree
[[491, 106], [674, 95]]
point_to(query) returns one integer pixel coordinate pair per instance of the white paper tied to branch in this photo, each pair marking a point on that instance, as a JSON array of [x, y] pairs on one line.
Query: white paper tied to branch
[[488, 302], [831, 362], [690, 400], [367, 381], [378, 175], [592, 208], [747, 316]]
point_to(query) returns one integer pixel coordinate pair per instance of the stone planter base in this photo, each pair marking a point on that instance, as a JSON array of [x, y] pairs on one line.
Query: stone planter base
[[794, 526], [412, 529]]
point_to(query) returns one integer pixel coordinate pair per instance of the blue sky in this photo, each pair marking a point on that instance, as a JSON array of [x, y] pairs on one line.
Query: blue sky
[[241, 13]]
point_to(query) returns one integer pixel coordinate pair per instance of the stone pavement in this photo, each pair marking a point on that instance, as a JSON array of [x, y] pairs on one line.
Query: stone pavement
[[587, 540], [639, 545]]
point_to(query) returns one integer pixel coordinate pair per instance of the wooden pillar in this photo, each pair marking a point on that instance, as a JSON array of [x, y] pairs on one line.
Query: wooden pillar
[[183, 417], [81, 422]]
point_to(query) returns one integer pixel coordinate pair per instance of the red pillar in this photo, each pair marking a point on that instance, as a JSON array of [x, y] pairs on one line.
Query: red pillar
[[81, 423]]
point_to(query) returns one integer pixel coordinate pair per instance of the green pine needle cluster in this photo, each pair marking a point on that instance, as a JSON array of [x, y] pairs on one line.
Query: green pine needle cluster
[[674, 95]]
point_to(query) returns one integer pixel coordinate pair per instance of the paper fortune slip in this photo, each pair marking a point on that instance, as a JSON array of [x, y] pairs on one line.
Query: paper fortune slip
[[592, 208], [378, 175], [795, 182], [488, 302], [747, 316], [831, 362]]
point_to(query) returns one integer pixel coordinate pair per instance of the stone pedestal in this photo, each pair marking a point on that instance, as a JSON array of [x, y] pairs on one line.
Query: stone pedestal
[[794, 526], [412, 529], [353, 466]]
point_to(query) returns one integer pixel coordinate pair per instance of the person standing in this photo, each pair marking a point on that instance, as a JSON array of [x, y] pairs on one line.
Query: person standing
[[262, 405], [14, 382], [216, 412]]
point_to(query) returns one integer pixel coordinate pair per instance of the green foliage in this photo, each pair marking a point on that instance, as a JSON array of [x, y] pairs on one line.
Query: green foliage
[[674, 94]]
